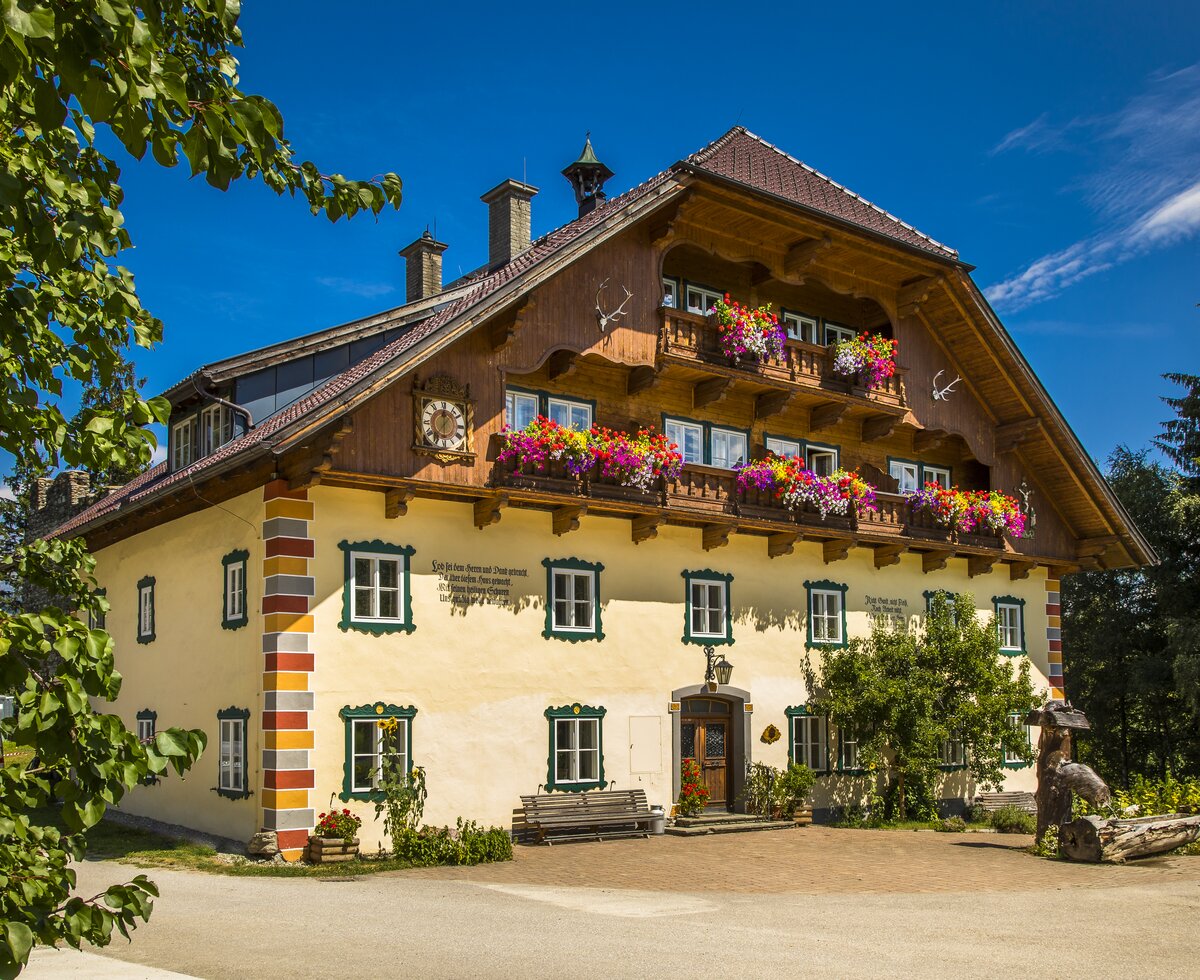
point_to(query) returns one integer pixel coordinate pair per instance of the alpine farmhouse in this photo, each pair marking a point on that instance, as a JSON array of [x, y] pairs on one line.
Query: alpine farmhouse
[[337, 536]]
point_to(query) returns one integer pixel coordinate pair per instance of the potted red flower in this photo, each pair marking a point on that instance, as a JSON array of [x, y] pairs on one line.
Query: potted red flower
[[335, 838]]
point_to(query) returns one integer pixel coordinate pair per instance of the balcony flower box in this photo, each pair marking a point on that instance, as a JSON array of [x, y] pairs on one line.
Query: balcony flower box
[[747, 334], [868, 360], [800, 490], [984, 515], [331, 850]]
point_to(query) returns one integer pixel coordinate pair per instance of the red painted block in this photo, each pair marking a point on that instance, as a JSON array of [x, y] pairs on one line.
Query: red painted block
[[279, 488], [1055, 646], [277, 721], [288, 661], [293, 547], [289, 778], [285, 603], [1053, 609], [289, 839]]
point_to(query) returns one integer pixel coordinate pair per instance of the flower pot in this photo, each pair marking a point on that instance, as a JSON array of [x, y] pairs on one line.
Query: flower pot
[[329, 850]]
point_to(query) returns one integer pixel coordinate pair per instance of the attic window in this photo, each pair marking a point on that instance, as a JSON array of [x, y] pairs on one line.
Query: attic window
[[216, 428], [183, 443]]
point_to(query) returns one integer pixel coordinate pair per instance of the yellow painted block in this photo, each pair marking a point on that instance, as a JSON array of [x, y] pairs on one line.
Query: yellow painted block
[[300, 510], [1054, 657], [285, 565], [287, 623], [284, 799], [288, 740], [1054, 620], [292, 853], [1052, 585], [285, 681]]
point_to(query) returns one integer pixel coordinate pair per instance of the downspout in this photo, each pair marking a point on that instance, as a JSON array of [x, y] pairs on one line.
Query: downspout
[[245, 412]]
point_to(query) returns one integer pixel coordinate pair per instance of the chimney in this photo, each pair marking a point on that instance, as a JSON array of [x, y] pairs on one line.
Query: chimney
[[508, 220], [422, 268]]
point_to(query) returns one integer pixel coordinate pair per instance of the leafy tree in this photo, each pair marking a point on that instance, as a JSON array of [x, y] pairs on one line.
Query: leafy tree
[[905, 691], [160, 76]]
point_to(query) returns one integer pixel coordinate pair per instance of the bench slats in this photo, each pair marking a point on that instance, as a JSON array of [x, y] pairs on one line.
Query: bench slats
[[596, 814]]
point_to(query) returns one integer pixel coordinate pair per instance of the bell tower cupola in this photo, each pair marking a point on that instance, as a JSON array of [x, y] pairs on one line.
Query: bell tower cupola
[[587, 176]]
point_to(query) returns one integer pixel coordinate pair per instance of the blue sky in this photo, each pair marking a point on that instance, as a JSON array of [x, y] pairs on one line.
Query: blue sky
[[1056, 146]]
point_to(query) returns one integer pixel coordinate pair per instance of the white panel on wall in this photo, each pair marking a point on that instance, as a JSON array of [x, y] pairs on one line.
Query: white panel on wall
[[645, 744]]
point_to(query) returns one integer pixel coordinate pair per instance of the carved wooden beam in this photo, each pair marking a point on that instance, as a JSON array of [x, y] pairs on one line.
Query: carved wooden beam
[[800, 257], [772, 403], [396, 501], [710, 392], [502, 331], [1021, 569], [910, 298], [566, 519], [781, 544], [927, 439], [826, 416], [561, 363], [888, 554], [487, 509], [716, 535], [1008, 437], [836, 550], [981, 564], [935, 561], [1095, 547], [640, 379], [878, 427], [644, 528]]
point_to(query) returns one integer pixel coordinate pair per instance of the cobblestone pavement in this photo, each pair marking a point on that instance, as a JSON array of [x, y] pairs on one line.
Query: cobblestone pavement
[[812, 860]]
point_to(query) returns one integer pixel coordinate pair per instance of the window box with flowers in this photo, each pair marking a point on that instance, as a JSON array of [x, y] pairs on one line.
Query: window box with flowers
[[785, 481], [869, 359], [335, 837], [747, 333], [984, 514]]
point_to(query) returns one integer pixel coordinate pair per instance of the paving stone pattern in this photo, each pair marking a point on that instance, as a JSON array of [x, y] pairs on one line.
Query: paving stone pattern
[[813, 860]]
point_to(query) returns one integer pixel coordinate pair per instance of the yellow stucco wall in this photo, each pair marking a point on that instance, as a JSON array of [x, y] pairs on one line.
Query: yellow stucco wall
[[193, 668]]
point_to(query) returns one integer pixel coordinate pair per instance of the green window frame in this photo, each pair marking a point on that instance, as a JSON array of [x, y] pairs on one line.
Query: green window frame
[[145, 610], [825, 587], [786, 317], [948, 763], [232, 753], [375, 552], [706, 431], [1018, 606], [707, 577], [573, 766], [801, 718], [97, 621], [1017, 720], [842, 742], [369, 744], [146, 724], [234, 591], [573, 570], [671, 291], [543, 399], [711, 293]]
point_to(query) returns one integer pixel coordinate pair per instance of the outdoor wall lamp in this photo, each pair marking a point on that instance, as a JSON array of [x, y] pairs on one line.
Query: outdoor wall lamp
[[718, 671]]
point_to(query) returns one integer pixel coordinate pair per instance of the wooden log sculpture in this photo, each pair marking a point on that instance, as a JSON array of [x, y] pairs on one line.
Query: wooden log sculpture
[[1057, 775], [1100, 839]]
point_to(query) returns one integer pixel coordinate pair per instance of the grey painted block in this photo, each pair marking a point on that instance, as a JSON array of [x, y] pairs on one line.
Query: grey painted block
[[285, 643], [1052, 597], [1053, 633], [287, 701], [286, 759], [288, 819], [290, 585], [285, 527]]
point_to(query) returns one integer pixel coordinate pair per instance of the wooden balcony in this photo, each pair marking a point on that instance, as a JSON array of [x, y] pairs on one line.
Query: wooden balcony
[[692, 340]]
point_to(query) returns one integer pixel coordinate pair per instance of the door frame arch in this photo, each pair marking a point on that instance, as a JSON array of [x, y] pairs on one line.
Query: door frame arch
[[741, 734]]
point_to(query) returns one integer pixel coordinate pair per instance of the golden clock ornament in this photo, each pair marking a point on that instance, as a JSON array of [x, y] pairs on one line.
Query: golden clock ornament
[[443, 420]]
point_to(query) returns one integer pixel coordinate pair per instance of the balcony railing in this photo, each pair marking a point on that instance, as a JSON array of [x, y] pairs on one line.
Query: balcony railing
[[710, 493], [694, 337]]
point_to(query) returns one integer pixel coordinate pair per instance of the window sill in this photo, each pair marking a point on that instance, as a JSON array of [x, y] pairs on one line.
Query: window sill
[[235, 624], [1012, 653], [366, 795], [148, 638], [708, 641], [956, 768], [375, 628], [573, 787], [1016, 765], [572, 636], [233, 794], [825, 645]]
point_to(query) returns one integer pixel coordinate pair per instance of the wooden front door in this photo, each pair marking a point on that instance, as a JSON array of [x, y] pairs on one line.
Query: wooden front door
[[706, 739]]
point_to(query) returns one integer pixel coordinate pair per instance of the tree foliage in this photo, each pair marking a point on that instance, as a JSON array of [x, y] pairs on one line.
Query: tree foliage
[[905, 691], [159, 76]]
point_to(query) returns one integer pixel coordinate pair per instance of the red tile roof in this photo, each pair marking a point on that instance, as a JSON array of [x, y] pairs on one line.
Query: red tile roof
[[738, 155]]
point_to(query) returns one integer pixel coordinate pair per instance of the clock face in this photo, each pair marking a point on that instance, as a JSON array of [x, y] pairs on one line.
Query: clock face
[[444, 424]]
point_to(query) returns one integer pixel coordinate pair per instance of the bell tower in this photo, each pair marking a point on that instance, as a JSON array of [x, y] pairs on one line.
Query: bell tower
[[587, 176]]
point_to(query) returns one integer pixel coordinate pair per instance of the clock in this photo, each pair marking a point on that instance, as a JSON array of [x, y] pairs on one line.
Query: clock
[[443, 420]]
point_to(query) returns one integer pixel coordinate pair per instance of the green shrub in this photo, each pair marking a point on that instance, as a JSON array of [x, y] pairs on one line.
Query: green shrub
[[977, 813], [1150, 796], [793, 787], [468, 844], [1048, 847], [920, 800], [952, 825], [1010, 820]]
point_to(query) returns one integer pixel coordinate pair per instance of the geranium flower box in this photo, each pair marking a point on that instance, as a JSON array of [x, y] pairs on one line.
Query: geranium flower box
[[330, 850]]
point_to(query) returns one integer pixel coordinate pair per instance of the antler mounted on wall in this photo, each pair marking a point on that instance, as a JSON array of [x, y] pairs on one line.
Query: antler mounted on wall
[[943, 394], [604, 319]]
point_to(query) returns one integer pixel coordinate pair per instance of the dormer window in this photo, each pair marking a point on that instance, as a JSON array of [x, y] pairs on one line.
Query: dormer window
[[183, 443], [701, 299], [216, 428]]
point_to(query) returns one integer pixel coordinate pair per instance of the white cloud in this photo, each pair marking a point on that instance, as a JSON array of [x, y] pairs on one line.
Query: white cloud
[[159, 455], [6, 492], [1145, 193], [356, 288]]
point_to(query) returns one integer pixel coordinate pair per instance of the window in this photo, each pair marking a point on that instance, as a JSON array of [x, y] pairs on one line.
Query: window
[[375, 597], [826, 613], [701, 299], [233, 604], [576, 748], [808, 743], [183, 443], [951, 608], [801, 327], [572, 599], [670, 289], [216, 428], [97, 618], [936, 474], [688, 438], [953, 754], [707, 616], [835, 333], [231, 760], [848, 749], [145, 623], [728, 448], [570, 414], [1012, 758], [822, 460], [374, 733], [146, 721], [1010, 626], [907, 474], [520, 408], [783, 447]]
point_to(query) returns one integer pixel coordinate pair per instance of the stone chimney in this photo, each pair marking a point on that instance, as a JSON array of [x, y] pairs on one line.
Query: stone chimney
[[509, 214], [58, 500], [423, 268]]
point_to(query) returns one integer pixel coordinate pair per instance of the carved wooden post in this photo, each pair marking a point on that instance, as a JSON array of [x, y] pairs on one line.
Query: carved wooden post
[[1058, 720]]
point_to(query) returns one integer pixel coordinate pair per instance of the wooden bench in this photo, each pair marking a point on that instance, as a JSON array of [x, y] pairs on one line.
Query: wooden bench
[[991, 802], [587, 816]]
